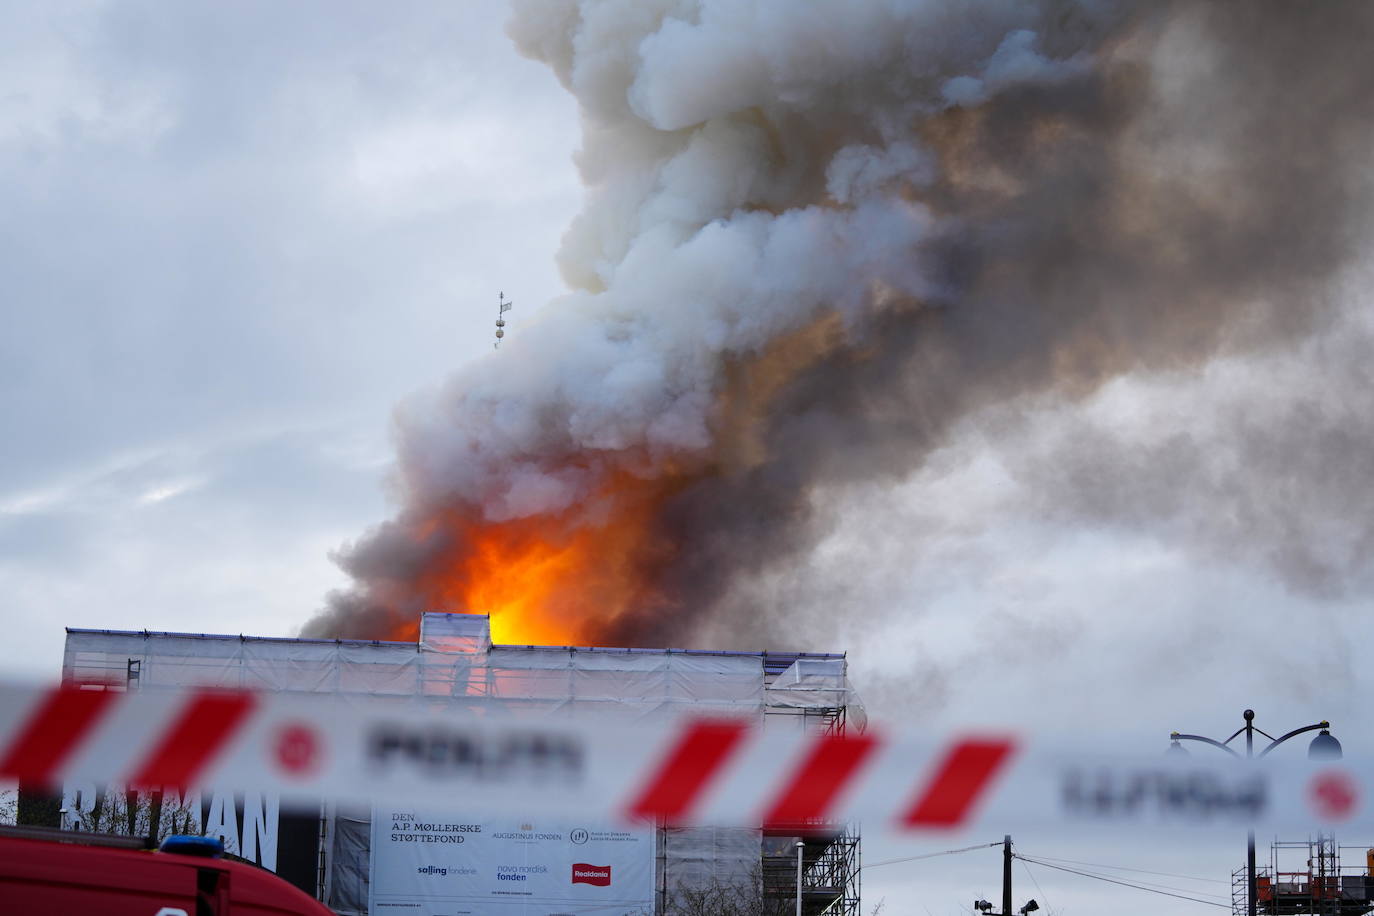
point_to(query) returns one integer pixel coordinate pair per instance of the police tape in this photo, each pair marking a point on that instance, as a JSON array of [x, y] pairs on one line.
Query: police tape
[[682, 770]]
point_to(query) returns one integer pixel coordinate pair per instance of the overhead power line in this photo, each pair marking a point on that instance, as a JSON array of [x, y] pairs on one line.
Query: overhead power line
[[1156, 885], [1139, 887], [1142, 871], [931, 855], [1030, 874]]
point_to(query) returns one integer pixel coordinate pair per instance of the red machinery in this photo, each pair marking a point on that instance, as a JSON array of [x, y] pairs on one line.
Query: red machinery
[[45, 871]]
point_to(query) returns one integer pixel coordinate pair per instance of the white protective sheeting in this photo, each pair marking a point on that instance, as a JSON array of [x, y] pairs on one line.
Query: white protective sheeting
[[455, 634], [816, 684], [698, 858], [622, 684], [274, 665], [455, 663], [572, 681], [347, 854]]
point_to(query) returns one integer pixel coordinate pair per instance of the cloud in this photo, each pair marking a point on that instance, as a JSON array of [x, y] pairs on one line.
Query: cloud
[[238, 232]]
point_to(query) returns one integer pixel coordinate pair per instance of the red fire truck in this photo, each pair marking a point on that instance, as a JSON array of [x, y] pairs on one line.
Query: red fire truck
[[45, 871]]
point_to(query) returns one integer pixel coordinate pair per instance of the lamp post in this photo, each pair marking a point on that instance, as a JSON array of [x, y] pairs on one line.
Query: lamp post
[[1323, 747], [800, 847]]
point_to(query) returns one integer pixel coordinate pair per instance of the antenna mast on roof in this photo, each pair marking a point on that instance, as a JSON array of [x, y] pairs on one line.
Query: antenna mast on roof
[[503, 306]]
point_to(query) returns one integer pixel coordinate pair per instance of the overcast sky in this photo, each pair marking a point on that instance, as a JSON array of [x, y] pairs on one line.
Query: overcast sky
[[234, 236]]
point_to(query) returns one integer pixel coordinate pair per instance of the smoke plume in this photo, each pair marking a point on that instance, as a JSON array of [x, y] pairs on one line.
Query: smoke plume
[[817, 238]]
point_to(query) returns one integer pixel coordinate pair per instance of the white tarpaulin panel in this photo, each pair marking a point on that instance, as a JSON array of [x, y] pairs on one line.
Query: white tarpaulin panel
[[429, 863], [346, 861], [697, 857], [455, 634]]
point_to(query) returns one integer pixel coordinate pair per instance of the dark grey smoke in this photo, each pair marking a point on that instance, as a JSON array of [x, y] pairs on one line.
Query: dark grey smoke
[[931, 214]]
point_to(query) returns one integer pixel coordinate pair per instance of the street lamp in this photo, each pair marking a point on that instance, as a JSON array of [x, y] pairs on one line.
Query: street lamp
[[1323, 747]]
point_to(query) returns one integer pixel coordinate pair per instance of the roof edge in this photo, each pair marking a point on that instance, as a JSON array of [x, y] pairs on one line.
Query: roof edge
[[148, 634]]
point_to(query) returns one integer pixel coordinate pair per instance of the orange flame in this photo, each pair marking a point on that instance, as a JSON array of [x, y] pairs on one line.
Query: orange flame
[[549, 580], [568, 579]]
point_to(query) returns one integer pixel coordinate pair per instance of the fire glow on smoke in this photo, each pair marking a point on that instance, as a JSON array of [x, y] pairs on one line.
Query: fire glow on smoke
[[544, 580], [820, 240]]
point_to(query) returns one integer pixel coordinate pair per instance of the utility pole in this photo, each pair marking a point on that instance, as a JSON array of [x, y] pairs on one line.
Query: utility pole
[[984, 907], [1006, 875]]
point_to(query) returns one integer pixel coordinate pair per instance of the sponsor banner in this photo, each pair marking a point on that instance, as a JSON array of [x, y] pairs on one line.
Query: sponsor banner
[[597, 875], [675, 770], [426, 862]]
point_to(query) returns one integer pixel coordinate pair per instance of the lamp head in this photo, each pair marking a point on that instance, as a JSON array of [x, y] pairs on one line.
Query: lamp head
[[1324, 747], [982, 906], [1030, 907]]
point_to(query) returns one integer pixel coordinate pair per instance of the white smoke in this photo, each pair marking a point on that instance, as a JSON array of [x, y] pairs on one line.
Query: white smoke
[[972, 200], [713, 224]]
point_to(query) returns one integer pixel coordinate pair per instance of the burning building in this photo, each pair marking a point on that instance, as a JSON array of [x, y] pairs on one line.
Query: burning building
[[345, 857]]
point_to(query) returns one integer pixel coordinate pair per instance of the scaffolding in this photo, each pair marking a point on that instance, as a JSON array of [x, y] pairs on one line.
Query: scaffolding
[[812, 694], [1307, 877], [830, 871], [454, 663]]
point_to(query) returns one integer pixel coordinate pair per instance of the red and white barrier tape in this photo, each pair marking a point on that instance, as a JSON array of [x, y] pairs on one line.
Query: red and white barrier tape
[[689, 770]]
